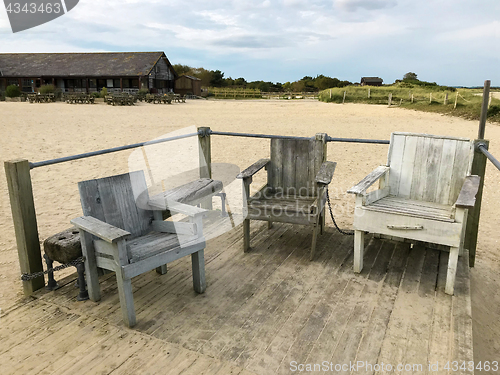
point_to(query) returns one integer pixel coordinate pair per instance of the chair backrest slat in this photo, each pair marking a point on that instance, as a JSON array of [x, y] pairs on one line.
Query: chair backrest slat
[[113, 200], [428, 168], [295, 163]]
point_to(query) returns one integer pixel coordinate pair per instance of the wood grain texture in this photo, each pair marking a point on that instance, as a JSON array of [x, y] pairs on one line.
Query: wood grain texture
[[369, 180], [22, 206], [467, 196]]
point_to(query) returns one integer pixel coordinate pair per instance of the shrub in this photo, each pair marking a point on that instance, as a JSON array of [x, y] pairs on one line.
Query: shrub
[[143, 91], [104, 92], [95, 95], [2, 96], [493, 110], [47, 89], [13, 91]]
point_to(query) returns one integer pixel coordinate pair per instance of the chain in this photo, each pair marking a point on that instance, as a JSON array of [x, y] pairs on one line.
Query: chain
[[344, 232], [31, 276]]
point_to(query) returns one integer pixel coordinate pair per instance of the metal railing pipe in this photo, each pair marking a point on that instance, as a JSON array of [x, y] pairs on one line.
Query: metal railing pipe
[[484, 150], [358, 140], [107, 151], [249, 135]]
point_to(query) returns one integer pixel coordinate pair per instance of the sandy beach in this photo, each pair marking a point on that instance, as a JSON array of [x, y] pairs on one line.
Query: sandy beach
[[46, 131]]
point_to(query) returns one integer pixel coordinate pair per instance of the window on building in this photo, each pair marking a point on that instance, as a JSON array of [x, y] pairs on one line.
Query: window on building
[[126, 83], [116, 83], [135, 83], [92, 83]]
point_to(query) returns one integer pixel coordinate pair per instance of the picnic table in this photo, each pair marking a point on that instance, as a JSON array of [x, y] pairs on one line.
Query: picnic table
[[120, 99], [79, 97], [179, 99], [41, 98]]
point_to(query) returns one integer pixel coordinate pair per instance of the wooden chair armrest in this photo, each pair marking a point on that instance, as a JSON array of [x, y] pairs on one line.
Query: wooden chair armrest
[[369, 180], [174, 206], [254, 168], [325, 173], [104, 231], [467, 196]]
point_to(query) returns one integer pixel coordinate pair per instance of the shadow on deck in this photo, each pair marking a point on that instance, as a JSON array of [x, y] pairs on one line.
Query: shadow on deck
[[264, 312]]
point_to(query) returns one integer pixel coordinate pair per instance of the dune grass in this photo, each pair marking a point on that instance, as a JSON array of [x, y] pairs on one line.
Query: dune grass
[[428, 99]]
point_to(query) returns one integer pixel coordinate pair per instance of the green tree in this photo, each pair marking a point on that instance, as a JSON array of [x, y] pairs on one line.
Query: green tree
[[410, 77], [240, 82], [182, 69], [217, 79]]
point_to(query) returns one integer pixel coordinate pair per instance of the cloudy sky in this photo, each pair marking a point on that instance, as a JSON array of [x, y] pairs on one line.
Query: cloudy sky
[[451, 42]]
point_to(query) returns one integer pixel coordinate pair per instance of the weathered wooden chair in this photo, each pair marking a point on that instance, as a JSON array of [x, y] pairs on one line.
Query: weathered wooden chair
[[122, 232], [424, 193], [297, 178]]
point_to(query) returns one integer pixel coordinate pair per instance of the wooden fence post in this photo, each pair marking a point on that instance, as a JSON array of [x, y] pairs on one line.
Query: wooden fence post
[[390, 99], [456, 101], [343, 100], [205, 160], [446, 99], [484, 109], [430, 98], [24, 217], [369, 93], [471, 231]]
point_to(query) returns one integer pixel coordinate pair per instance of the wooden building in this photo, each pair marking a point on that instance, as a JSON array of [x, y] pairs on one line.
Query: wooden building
[[371, 81], [188, 85], [88, 72]]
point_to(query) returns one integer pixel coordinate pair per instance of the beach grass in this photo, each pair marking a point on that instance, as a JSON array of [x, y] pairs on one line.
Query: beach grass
[[428, 99]]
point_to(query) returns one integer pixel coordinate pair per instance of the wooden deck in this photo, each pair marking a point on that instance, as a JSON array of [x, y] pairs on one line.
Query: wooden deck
[[262, 311]]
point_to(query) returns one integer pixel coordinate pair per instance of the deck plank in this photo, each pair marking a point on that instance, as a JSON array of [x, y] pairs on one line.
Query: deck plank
[[262, 310]]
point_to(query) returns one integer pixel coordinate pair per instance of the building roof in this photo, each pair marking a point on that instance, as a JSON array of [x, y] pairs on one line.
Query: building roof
[[371, 79], [106, 64], [190, 77]]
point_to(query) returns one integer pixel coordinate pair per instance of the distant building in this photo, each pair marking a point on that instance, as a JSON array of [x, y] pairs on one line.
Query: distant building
[[88, 72], [371, 81], [188, 85]]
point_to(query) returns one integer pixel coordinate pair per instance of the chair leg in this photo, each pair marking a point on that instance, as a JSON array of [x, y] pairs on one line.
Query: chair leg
[[198, 264], [83, 295], [269, 224], [91, 271], [162, 270], [126, 300], [452, 270], [316, 229], [359, 246], [322, 221], [246, 235]]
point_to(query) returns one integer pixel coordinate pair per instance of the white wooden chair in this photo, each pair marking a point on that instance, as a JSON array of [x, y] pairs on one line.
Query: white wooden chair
[[424, 193], [297, 178], [122, 231]]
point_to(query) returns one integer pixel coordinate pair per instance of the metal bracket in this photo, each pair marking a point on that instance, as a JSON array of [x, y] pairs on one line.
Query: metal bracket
[[204, 132], [481, 145]]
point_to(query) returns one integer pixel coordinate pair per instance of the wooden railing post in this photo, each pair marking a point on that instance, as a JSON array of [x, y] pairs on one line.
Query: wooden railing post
[[471, 231], [205, 159], [25, 225], [479, 169]]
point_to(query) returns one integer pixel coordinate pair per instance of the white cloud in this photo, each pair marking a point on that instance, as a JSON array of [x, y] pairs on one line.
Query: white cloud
[[485, 31], [277, 37], [354, 5]]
